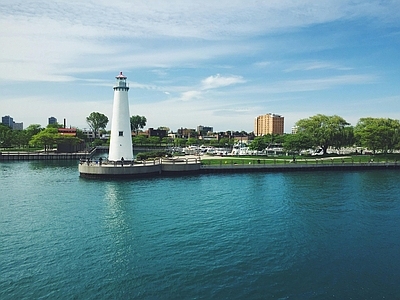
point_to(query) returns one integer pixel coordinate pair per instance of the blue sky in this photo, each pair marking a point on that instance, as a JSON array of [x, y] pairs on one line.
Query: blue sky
[[193, 63]]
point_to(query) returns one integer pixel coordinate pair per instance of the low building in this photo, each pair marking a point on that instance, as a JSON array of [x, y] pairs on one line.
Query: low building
[[18, 126], [89, 134], [204, 130], [70, 146], [187, 133], [161, 133]]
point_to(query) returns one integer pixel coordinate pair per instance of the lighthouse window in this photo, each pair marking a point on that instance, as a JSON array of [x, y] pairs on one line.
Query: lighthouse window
[[121, 133]]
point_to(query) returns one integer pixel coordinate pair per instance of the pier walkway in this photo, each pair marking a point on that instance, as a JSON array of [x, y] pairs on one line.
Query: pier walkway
[[20, 156]]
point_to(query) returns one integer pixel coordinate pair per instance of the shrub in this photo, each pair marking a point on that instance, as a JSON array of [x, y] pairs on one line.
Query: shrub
[[152, 155]]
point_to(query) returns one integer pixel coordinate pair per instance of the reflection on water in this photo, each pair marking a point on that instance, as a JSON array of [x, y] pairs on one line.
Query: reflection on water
[[243, 236], [117, 220]]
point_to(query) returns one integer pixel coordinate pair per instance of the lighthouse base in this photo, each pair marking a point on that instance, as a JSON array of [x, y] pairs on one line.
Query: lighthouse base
[[139, 169]]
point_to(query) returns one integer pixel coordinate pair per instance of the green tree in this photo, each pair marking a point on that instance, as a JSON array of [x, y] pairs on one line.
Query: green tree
[[344, 138], [154, 140], [296, 142], [214, 142], [19, 138], [179, 142], [137, 122], [55, 125], [33, 129], [97, 121], [164, 128], [192, 141], [80, 134], [322, 130], [224, 142], [5, 136], [139, 140], [46, 138], [378, 134], [279, 138], [166, 140], [259, 143]]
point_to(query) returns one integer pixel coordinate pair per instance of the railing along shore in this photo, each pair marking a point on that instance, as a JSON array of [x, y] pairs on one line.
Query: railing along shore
[[20, 156]]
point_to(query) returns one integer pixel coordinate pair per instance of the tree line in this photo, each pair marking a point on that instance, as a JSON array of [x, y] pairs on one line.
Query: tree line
[[316, 132], [323, 132], [35, 136]]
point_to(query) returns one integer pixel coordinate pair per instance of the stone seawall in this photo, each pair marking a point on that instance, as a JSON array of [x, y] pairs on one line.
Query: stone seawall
[[170, 166], [179, 167]]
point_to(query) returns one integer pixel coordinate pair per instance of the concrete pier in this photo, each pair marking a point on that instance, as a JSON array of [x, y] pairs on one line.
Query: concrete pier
[[171, 166], [20, 156], [183, 166]]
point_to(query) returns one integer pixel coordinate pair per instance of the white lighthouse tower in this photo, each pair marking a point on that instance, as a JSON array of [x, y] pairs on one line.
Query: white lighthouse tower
[[121, 137]]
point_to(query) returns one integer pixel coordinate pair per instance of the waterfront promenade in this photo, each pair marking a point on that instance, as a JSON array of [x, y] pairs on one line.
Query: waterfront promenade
[[196, 165], [21, 156], [191, 164]]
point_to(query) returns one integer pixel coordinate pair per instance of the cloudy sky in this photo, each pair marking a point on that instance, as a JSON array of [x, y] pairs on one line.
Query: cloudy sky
[[189, 63]]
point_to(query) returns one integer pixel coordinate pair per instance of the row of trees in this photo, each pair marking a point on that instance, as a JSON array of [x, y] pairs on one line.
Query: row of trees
[[98, 121], [35, 136], [321, 131]]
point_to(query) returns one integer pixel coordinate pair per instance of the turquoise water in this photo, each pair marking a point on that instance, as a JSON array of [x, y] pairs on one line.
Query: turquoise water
[[322, 235]]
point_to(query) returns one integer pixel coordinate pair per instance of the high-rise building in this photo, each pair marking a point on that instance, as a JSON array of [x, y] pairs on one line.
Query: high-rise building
[[269, 124], [8, 121], [52, 120], [121, 135]]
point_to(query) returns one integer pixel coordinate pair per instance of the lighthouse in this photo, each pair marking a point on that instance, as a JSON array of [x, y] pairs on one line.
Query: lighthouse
[[121, 137]]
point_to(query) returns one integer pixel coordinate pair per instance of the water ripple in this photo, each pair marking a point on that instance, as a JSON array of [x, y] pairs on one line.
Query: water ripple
[[242, 236]]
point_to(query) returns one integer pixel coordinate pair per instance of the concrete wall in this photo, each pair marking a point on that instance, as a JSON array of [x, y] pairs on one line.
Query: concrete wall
[[94, 170], [139, 170]]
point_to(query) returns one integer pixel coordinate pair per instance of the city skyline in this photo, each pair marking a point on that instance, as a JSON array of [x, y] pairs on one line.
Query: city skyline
[[219, 64]]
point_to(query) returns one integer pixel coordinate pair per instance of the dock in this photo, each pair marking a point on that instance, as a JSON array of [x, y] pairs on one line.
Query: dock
[[192, 166], [21, 156]]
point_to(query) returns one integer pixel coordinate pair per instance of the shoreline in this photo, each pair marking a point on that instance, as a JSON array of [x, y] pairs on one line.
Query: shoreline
[[193, 166]]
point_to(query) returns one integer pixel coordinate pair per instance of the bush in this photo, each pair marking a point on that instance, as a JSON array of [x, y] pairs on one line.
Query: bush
[[152, 155]]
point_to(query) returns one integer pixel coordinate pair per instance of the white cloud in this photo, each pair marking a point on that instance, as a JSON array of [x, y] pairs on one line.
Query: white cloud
[[316, 65], [318, 84], [180, 43], [50, 41], [190, 95], [329, 82], [217, 81]]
